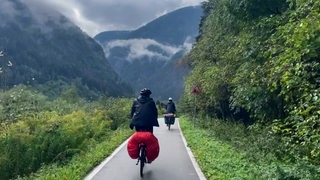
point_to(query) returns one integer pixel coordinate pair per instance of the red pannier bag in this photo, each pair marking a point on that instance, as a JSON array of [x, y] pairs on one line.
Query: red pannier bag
[[151, 142]]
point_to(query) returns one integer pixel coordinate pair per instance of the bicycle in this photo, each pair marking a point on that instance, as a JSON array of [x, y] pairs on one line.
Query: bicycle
[[142, 157], [169, 119]]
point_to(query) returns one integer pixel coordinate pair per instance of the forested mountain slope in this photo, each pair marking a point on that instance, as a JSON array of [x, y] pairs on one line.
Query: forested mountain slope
[[40, 46], [261, 59], [149, 55]]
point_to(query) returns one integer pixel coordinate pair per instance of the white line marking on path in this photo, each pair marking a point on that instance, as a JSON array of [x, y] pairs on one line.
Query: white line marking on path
[[194, 162]]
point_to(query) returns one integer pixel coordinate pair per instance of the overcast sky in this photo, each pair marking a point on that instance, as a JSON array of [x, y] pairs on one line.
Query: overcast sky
[[95, 16]]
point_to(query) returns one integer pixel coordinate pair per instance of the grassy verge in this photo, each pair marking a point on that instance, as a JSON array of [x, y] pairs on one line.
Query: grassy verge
[[224, 151], [217, 160], [83, 163]]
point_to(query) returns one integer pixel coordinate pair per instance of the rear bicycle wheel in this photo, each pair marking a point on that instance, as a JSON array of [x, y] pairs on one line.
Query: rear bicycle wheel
[[141, 168], [142, 159], [170, 121]]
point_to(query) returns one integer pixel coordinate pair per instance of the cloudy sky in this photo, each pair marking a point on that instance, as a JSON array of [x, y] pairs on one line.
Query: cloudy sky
[[94, 16]]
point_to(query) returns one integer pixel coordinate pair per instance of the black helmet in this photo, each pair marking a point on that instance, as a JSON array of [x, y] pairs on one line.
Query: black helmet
[[145, 92]]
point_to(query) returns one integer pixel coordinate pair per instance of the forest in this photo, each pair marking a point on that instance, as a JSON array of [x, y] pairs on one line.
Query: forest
[[257, 62]]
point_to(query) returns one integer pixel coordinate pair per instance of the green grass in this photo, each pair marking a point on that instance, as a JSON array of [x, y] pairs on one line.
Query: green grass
[[224, 151], [83, 163], [217, 160]]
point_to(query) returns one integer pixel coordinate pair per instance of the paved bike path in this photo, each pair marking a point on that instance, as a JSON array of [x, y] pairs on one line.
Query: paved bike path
[[173, 162]]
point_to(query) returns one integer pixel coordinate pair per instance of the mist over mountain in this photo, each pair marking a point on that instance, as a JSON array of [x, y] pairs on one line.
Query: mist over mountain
[[149, 55], [40, 46]]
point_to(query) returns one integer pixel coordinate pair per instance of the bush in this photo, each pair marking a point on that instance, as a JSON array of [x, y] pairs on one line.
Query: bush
[[55, 132], [20, 101]]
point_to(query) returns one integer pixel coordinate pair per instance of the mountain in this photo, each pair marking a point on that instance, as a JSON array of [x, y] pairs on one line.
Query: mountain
[[149, 56], [40, 46]]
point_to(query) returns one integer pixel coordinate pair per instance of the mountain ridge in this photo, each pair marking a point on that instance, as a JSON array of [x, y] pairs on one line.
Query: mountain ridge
[[147, 56], [45, 46]]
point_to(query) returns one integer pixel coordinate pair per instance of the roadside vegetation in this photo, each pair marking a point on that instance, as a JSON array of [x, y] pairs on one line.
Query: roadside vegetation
[[81, 164], [69, 132], [256, 63], [227, 150]]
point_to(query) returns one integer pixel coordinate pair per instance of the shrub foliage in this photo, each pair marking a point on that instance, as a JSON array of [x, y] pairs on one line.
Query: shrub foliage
[[258, 62], [35, 131]]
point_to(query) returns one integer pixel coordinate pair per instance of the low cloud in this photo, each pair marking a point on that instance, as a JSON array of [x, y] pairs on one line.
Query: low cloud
[[188, 43], [141, 48], [40, 15], [96, 16], [7, 9]]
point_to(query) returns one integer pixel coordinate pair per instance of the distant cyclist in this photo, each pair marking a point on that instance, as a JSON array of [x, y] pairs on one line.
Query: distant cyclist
[[170, 106], [144, 113]]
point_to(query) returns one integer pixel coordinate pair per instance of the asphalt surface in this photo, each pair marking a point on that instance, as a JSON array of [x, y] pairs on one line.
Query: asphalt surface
[[173, 163]]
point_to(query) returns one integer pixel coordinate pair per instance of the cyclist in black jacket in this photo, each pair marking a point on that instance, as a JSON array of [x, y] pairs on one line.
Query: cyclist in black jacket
[[144, 113], [170, 107]]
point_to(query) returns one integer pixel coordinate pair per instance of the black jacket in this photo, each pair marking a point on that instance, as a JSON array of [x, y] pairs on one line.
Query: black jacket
[[170, 107], [144, 113]]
